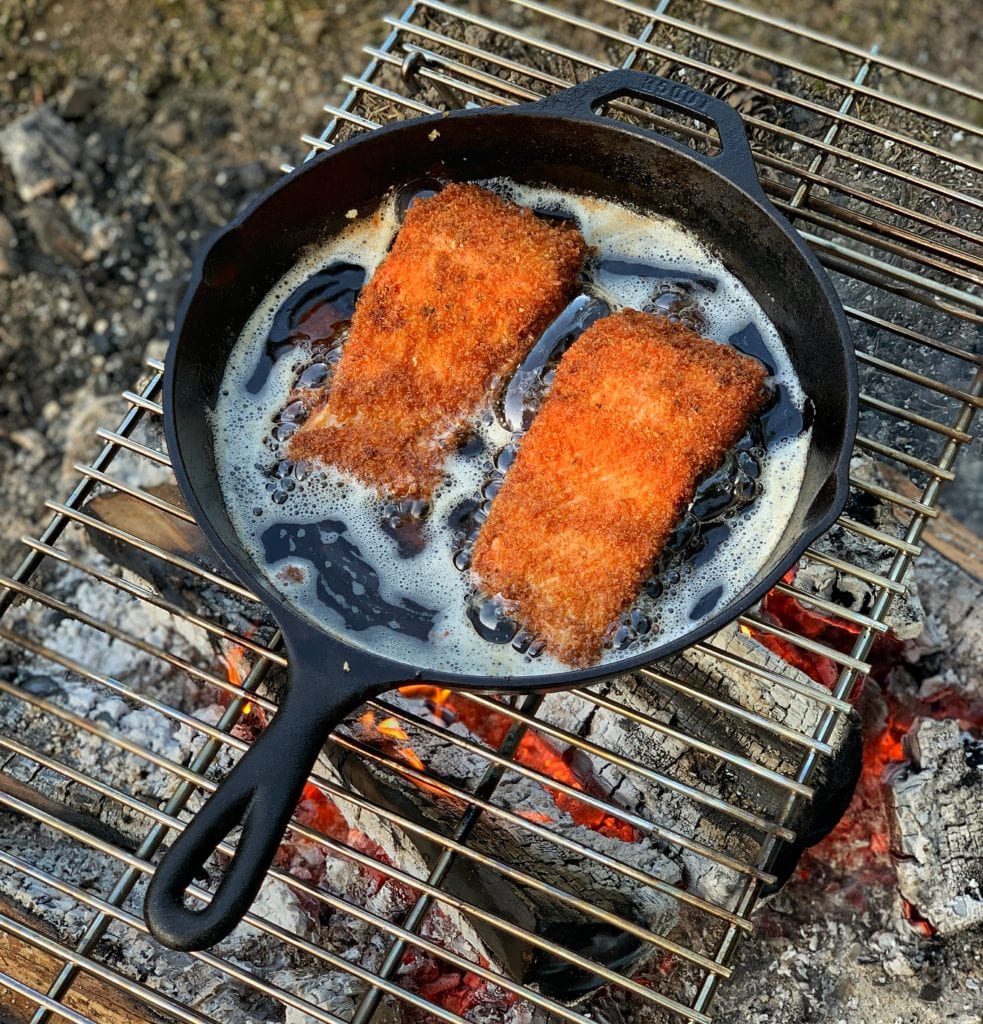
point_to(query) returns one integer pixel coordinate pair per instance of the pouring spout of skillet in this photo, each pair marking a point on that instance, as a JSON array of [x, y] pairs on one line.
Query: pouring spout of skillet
[[564, 142]]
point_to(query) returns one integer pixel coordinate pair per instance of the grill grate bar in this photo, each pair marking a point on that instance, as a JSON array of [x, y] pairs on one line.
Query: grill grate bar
[[813, 177], [954, 433], [821, 696], [886, 494], [113, 438], [794, 65], [886, 451], [150, 404], [885, 539], [707, 748], [895, 279], [614, 36], [134, 492], [46, 1002], [831, 607], [111, 910], [862, 574], [765, 159], [806, 643]]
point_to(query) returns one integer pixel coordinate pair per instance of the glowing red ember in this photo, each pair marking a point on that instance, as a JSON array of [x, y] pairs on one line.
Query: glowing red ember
[[534, 751]]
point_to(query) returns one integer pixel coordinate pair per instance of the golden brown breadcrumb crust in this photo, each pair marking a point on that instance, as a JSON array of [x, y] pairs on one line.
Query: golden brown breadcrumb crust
[[640, 409], [470, 283]]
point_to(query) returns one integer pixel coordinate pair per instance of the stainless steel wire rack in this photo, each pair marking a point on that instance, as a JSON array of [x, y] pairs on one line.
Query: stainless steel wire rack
[[872, 160]]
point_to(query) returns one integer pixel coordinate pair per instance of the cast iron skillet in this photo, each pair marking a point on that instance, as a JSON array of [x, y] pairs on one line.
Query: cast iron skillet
[[559, 141]]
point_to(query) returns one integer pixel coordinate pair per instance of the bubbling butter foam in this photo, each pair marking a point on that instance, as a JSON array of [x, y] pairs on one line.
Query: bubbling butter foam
[[320, 538]]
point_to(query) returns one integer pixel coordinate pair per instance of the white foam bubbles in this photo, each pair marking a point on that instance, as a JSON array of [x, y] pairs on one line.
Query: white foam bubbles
[[429, 579]]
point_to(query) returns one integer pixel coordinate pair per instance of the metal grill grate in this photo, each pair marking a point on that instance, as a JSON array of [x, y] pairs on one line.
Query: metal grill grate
[[850, 145]]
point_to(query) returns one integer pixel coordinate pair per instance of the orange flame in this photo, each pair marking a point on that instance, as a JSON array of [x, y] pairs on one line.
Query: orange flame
[[237, 666], [390, 731]]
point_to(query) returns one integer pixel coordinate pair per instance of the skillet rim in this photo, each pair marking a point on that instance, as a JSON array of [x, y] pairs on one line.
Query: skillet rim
[[299, 632]]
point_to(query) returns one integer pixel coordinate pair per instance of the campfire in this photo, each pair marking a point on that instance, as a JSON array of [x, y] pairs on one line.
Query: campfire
[[865, 848], [586, 856], [618, 824], [867, 844]]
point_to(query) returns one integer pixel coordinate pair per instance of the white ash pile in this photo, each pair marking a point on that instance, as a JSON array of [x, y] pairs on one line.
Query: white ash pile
[[936, 804]]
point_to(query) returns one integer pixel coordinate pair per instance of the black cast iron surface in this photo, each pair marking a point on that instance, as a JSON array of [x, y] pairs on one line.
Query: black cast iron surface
[[559, 141]]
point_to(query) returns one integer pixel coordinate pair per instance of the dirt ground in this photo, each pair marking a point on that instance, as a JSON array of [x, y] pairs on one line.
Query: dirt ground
[[178, 113]]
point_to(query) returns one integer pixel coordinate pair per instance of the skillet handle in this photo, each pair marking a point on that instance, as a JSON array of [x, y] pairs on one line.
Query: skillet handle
[[734, 160], [260, 793]]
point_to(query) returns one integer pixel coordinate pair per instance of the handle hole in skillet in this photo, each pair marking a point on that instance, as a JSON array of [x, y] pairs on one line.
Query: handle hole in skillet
[[691, 131]]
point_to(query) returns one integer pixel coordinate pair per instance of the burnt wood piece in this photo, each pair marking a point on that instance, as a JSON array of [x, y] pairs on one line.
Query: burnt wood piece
[[176, 536], [518, 847], [89, 995], [934, 805], [949, 537], [607, 727], [70, 815], [150, 523]]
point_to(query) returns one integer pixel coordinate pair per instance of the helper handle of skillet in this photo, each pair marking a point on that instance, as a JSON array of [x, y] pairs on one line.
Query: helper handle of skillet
[[260, 794], [734, 160]]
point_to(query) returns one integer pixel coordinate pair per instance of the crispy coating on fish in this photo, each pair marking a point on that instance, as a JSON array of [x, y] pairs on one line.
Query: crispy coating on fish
[[640, 409], [470, 283]]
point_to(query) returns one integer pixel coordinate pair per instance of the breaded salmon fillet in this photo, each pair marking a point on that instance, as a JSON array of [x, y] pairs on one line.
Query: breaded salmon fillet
[[470, 283], [641, 407]]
